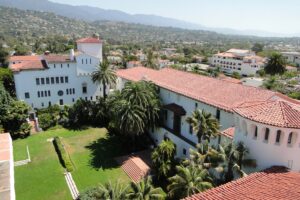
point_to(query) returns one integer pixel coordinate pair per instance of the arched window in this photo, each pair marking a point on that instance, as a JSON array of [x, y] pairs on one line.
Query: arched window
[[267, 133], [278, 135]]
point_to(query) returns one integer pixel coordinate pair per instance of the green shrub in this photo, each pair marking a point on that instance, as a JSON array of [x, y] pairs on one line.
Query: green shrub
[[46, 121], [62, 154]]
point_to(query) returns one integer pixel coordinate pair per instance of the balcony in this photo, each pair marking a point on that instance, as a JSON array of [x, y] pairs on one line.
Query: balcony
[[178, 134]]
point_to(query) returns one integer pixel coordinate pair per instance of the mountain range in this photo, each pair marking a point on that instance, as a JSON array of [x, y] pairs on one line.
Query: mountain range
[[88, 13]]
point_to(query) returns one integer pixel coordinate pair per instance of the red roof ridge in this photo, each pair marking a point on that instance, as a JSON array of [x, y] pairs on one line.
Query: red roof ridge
[[89, 40], [271, 184]]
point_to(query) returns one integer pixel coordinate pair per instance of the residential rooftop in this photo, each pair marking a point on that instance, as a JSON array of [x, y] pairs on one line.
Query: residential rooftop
[[275, 183]]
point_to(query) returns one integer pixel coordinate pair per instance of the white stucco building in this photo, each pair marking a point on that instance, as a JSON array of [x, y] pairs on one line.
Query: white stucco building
[[45, 80], [292, 57], [183, 92], [244, 62]]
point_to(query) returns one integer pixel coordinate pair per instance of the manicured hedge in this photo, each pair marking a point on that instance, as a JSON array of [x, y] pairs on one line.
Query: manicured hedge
[[62, 154]]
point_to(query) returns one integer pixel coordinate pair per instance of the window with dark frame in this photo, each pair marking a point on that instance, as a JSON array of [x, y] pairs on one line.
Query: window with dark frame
[[42, 93], [190, 129], [61, 102], [218, 114], [184, 151], [27, 95], [38, 94], [66, 79], [57, 80], [49, 93], [278, 135], [42, 81], [255, 132], [52, 80], [267, 134], [62, 79], [47, 80], [46, 94], [84, 89], [290, 138], [37, 81]]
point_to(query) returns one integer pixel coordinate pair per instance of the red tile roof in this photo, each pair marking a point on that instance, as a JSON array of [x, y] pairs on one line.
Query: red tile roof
[[278, 113], [89, 40], [229, 132], [18, 63], [218, 93], [275, 183]]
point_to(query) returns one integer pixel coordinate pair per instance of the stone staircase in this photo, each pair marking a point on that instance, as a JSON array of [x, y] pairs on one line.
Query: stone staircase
[[71, 184]]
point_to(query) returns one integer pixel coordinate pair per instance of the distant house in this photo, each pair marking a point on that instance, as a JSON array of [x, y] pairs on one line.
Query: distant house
[[291, 68], [164, 63], [132, 64], [292, 57], [241, 61]]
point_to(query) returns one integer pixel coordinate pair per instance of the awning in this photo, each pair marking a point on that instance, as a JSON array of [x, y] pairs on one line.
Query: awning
[[177, 109]]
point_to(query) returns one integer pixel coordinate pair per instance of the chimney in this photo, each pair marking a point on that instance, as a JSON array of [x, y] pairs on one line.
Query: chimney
[[72, 54]]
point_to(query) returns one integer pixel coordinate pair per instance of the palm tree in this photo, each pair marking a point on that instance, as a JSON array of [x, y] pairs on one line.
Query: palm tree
[[136, 108], [108, 191], [163, 158], [144, 190], [235, 156], [204, 125], [150, 62], [105, 75], [188, 181], [205, 156], [276, 64]]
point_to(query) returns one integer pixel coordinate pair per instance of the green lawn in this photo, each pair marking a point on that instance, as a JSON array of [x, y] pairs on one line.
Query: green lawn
[[91, 150]]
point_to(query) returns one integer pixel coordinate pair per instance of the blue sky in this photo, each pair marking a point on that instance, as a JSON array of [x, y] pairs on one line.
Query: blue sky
[[279, 16]]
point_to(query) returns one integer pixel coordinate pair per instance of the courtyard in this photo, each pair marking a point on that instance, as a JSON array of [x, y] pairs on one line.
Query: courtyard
[[92, 153]]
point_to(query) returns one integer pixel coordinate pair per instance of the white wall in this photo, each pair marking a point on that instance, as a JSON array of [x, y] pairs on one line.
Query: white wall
[[93, 49], [268, 153], [26, 82]]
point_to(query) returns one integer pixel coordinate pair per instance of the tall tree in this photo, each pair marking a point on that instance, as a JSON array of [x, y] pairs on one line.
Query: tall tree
[[276, 64], [235, 160], [188, 181], [104, 75], [150, 61], [144, 190], [204, 125], [163, 158], [135, 108]]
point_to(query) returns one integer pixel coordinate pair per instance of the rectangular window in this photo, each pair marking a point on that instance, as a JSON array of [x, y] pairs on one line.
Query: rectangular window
[[38, 93], [62, 79], [66, 79], [42, 93], [90, 61], [218, 114], [84, 89], [27, 95], [196, 105], [49, 104], [46, 94], [68, 65], [191, 129], [91, 98], [82, 61], [52, 80], [166, 114], [54, 66], [67, 91], [49, 93], [57, 80], [37, 81], [61, 65], [86, 98], [42, 104], [267, 134], [73, 90], [73, 100], [61, 102], [47, 80], [43, 81], [255, 132], [85, 61], [184, 151]]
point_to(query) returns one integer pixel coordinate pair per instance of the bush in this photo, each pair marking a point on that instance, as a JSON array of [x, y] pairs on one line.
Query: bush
[[46, 121], [63, 155]]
